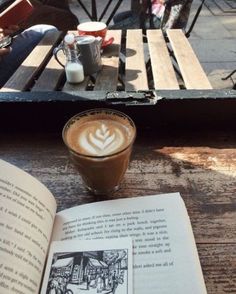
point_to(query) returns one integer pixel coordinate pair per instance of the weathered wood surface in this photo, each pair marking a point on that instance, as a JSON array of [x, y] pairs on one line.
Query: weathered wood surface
[[51, 77], [203, 170], [190, 67], [108, 77], [40, 72], [218, 264], [135, 68], [24, 76], [164, 76]]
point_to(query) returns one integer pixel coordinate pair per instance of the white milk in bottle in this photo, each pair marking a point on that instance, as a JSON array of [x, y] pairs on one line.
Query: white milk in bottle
[[74, 68]]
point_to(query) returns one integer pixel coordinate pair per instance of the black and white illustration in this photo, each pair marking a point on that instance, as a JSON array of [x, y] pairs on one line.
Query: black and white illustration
[[99, 271]]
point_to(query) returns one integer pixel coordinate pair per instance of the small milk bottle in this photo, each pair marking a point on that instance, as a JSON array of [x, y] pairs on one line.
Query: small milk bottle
[[74, 68]]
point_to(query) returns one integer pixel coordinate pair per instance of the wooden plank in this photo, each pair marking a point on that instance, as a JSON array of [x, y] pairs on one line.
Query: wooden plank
[[190, 67], [135, 68], [50, 77], [107, 78], [218, 266], [162, 69], [74, 88], [31, 66]]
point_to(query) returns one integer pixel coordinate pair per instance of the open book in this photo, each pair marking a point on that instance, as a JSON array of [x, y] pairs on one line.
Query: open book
[[165, 258]]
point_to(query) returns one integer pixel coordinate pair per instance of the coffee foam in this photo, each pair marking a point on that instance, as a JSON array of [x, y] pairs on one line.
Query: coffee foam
[[91, 26], [99, 137]]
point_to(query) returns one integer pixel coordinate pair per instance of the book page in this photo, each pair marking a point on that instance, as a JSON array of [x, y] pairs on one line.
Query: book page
[[92, 266], [27, 211], [165, 254]]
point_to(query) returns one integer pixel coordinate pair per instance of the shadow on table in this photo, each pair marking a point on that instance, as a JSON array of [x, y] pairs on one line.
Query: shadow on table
[[28, 77]]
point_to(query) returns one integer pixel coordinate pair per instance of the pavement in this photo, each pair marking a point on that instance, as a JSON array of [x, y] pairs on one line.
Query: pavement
[[213, 37]]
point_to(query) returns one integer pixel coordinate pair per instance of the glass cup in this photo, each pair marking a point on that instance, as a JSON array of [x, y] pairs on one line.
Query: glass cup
[[100, 143]]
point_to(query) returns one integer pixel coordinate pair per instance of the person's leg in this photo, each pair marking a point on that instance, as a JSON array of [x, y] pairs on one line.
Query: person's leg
[[21, 46], [121, 16], [176, 14], [126, 20], [182, 21]]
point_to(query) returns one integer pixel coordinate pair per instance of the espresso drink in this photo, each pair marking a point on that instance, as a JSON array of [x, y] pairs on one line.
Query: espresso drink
[[100, 143]]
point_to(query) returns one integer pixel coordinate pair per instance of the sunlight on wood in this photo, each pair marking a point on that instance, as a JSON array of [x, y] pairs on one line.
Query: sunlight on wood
[[204, 158]]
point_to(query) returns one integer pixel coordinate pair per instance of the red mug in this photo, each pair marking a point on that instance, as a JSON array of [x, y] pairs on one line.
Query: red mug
[[96, 29]]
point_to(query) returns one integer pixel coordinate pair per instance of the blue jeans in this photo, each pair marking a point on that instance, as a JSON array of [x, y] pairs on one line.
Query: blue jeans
[[132, 20], [21, 46]]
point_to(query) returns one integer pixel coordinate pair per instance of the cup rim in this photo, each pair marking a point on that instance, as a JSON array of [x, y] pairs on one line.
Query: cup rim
[[85, 39], [83, 26], [70, 121]]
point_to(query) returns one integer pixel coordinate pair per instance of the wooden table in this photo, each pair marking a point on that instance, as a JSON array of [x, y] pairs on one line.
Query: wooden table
[[200, 165], [133, 62]]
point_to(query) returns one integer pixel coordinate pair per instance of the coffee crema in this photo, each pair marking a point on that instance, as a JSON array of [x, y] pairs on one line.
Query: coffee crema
[[100, 137]]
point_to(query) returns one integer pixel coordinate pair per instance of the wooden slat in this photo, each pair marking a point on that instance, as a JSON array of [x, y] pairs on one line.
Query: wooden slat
[[135, 69], [50, 77], [73, 88], [162, 69], [191, 69], [108, 77], [218, 265], [24, 75], [52, 74]]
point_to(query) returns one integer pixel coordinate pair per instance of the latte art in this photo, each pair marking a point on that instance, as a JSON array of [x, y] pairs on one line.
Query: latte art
[[99, 137], [102, 137], [101, 140]]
